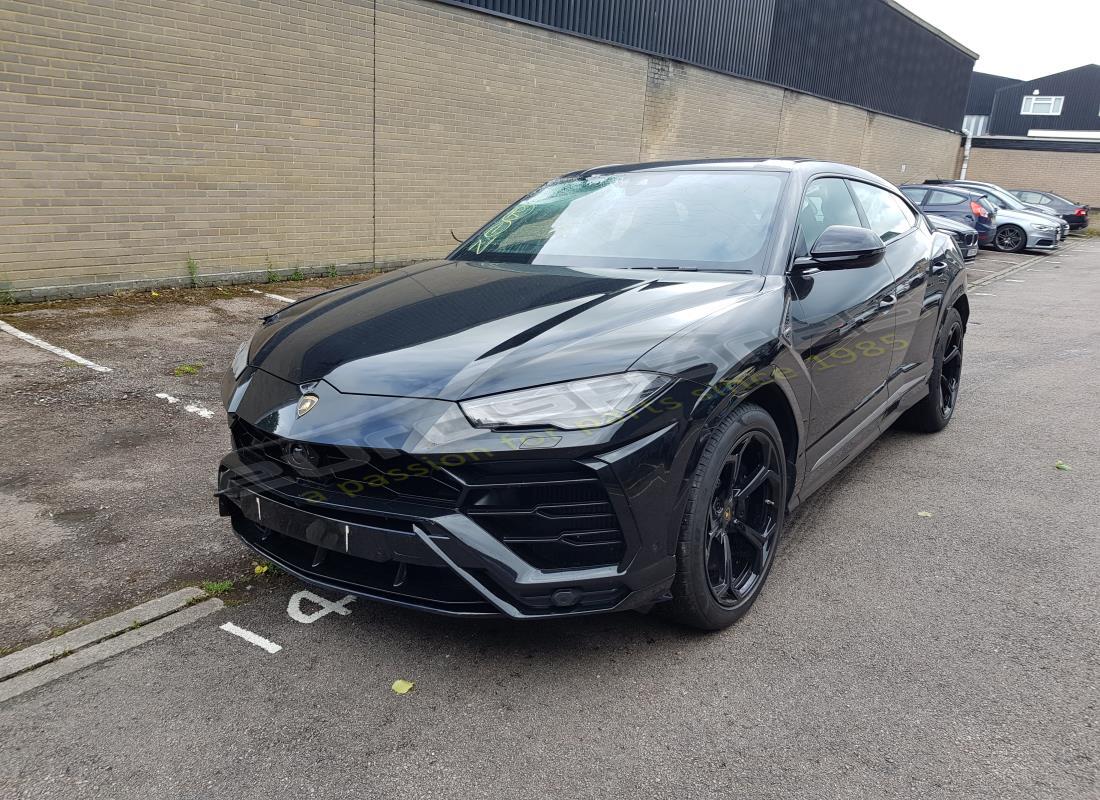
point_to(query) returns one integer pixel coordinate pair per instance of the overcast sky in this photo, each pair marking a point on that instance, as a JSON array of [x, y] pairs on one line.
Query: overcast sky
[[1022, 39]]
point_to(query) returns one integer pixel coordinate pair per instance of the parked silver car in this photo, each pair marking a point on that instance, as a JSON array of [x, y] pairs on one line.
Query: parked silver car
[[1018, 227]]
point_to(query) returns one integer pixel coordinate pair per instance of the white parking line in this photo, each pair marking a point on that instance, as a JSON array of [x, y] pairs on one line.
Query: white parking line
[[205, 413], [1014, 280], [983, 294], [252, 638], [278, 297], [60, 351]]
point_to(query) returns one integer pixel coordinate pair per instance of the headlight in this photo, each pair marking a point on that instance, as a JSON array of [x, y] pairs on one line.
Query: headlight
[[588, 403], [1044, 228], [240, 360]]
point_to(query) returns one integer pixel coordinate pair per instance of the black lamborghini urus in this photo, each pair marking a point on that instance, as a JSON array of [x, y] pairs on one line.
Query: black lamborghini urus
[[610, 397]]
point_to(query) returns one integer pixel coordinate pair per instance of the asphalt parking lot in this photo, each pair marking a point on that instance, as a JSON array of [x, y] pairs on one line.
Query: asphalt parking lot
[[930, 628]]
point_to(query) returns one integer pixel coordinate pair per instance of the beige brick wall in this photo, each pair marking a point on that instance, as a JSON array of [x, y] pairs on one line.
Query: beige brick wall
[[695, 113], [902, 152], [133, 134], [815, 128], [136, 134], [474, 111], [1072, 175]]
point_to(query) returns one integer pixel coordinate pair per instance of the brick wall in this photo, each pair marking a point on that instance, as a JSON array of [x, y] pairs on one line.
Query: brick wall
[[1072, 175], [134, 135], [474, 111]]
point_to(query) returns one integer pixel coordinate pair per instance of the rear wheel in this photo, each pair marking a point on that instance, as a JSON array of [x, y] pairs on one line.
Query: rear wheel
[[1010, 239], [735, 513], [934, 412]]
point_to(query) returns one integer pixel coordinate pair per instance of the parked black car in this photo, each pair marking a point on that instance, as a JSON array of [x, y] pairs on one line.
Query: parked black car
[[1076, 215], [965, 237], [611, 396], [968, 206]]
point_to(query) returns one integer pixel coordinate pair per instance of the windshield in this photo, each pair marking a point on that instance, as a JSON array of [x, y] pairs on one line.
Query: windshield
[[1007, 200], [719, 220]]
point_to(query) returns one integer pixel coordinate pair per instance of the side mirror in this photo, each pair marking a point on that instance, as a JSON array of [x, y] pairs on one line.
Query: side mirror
[[845, 247]]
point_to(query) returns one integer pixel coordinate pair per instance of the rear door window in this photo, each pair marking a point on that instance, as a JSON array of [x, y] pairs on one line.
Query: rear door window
[[938, 198]]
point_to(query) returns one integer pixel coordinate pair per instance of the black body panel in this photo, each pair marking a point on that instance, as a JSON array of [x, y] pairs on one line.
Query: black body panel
[[384, 487]]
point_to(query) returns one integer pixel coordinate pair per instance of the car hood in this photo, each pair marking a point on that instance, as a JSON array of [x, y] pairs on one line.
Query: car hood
[[450, 330], [946, 224], [1025, 217]]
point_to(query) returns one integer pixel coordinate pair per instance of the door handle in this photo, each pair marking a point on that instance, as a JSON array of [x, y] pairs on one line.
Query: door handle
[[888, 302], [938, 266]]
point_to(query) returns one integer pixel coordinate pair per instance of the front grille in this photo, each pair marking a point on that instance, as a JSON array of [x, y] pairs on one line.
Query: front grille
[[436, 587], [553, 514], [346, 475]]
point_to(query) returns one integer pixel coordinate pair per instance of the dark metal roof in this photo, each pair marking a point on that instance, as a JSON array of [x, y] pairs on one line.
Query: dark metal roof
[[979, 99], [869, 53], [1080, 110]]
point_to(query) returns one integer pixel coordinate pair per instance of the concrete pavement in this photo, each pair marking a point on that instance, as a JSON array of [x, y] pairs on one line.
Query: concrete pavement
[[891, 654]]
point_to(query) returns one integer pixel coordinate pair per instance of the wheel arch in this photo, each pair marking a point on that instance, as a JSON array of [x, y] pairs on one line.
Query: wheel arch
[[773, 400], [962, 305]]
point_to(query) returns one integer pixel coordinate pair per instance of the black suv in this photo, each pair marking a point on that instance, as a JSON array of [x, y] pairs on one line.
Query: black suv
[[609, 397]]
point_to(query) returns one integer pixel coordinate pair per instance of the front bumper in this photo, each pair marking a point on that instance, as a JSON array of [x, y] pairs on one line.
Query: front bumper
[[400, 500], [1043, 240], [427, 556]]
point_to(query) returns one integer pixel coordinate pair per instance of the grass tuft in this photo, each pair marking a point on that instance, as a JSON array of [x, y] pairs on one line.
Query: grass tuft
[[193, 271], [216, 587], [187, 369]]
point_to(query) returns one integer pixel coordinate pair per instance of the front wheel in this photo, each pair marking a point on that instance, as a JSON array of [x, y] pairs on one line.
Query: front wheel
[[1010, 239], [934, 412], [734, 518]]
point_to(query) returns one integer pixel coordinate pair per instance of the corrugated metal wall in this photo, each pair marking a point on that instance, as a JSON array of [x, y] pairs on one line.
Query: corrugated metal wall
[[725, 35], [862, 52], [983, 88], [1080, 110]]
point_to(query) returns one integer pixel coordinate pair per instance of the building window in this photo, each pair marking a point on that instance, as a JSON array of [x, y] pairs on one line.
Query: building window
[[975, 124], [1040, 105]]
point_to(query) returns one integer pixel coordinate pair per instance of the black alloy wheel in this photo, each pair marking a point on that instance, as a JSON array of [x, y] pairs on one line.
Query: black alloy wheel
[[933, 412], [743, 519], [951, 368], [1010, 239], [732, 527]]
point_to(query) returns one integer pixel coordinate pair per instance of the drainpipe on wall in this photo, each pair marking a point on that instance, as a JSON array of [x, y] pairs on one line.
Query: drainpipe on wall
[[966, 156]]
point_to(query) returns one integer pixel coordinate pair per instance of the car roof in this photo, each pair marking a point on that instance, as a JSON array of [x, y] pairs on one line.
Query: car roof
[[964, 190], [791, 164]]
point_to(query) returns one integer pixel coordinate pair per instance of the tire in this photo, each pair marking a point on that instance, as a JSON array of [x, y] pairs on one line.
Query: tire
[[933, 412], [1010, 239], [738, 490]]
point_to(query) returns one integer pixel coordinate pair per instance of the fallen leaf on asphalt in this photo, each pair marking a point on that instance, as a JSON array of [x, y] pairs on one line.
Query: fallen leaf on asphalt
[[1062, 465], [924, 513], [402, 687], [154, 294], [261, 569]]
